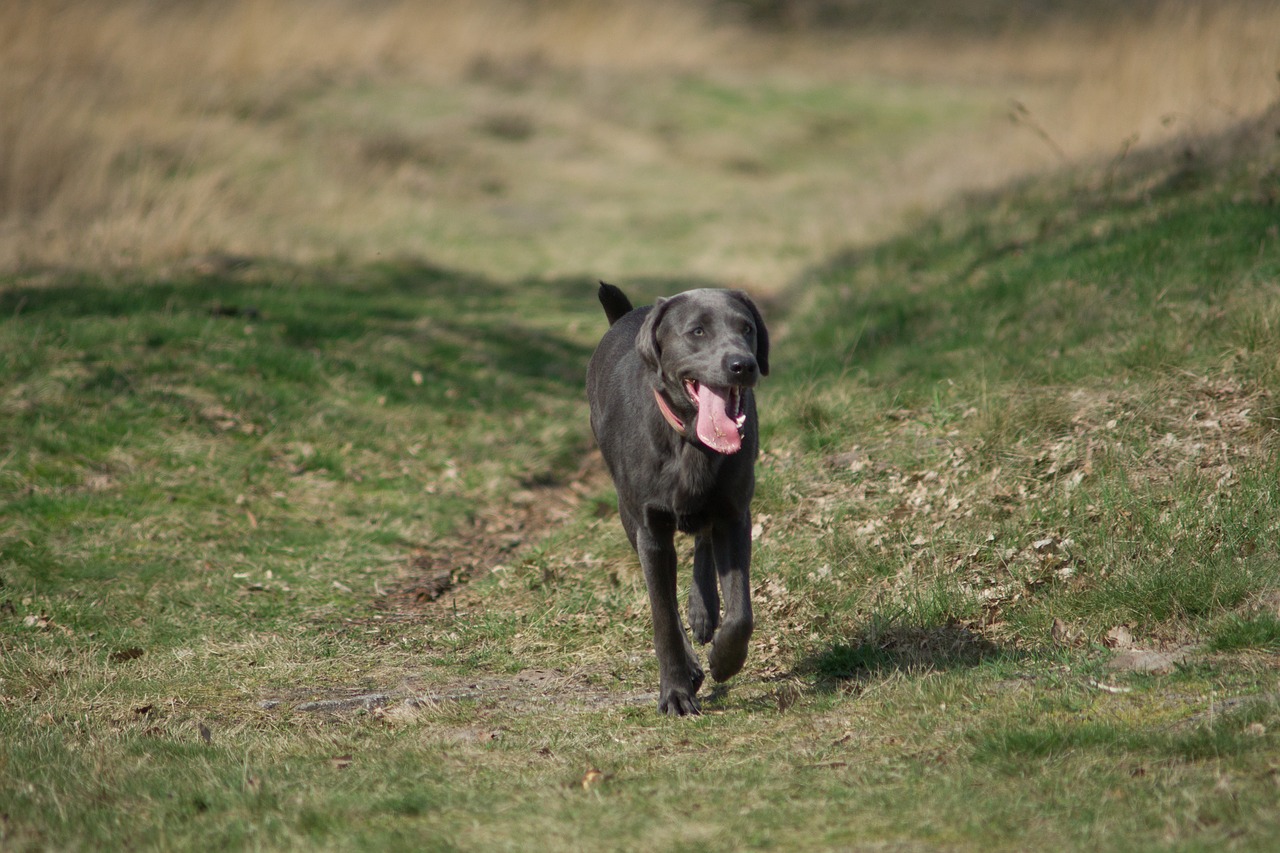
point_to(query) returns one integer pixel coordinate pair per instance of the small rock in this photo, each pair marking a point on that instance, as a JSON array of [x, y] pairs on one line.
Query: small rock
[[1143, 660]]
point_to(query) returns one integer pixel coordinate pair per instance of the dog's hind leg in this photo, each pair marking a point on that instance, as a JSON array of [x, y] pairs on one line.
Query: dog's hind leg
[[731, 543], [704, 597]]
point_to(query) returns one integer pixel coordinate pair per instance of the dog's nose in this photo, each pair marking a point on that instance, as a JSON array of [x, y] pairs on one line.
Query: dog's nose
[[743, 368]]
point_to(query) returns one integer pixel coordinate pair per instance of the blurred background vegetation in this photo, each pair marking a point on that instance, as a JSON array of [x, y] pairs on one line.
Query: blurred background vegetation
[[737, 139], [983, 17]]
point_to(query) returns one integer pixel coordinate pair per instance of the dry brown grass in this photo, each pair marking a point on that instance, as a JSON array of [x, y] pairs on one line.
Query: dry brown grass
[[103, 104], [143, 133], [1094, 90], [1194, 69]]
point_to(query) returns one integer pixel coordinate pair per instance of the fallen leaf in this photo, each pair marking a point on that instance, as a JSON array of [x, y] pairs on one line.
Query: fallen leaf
[[205, 734], [122, 655], [1118, 638], [1062, 634], [341, 762], [592, 778]]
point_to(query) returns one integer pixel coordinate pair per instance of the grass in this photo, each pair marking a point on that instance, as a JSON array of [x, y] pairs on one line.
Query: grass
[[308, 547], [215, 486], [1260, 631]]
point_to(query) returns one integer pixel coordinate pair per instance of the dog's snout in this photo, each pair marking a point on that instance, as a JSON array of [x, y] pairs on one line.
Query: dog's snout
[[742, 368]]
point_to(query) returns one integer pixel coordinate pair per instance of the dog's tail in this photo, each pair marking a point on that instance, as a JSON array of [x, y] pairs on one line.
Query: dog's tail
[[615, 302]]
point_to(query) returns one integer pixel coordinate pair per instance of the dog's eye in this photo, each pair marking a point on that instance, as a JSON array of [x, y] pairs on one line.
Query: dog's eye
[[697, 331], [748, 329]]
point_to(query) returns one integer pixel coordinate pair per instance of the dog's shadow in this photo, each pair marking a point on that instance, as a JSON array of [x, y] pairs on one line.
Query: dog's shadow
[[873, 653], [879, 650]]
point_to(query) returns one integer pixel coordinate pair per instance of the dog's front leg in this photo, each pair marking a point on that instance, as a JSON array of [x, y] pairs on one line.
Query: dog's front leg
[[679, 673], [731, 543]]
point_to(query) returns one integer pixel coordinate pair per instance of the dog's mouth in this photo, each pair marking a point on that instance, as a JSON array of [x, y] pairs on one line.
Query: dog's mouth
[[722, 413]]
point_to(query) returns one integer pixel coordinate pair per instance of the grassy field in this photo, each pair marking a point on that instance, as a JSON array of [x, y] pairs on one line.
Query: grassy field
[[304, 543]]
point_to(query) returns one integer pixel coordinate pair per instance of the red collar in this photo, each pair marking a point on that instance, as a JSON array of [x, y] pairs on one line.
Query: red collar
[[676, 423]]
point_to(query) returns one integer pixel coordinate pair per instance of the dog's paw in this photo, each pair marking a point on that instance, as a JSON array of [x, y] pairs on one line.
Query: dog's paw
[[729, 649], [701, 623], [679, 703]]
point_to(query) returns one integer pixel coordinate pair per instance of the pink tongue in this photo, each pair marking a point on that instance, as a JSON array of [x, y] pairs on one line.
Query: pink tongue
[[715, 428]]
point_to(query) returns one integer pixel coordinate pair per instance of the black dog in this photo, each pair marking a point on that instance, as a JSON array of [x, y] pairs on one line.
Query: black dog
[[672, 408]]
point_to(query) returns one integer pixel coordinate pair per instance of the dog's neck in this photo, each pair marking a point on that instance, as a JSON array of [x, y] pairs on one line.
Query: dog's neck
[[697, 470], [668, 415]]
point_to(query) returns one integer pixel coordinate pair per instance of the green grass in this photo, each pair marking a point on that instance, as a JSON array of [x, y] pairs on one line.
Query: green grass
[[1260, 631], [989, 442]]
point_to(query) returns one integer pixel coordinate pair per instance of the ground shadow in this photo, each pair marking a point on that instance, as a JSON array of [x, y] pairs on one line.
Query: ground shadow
[[878, 650], [465, 338], [458, 329]]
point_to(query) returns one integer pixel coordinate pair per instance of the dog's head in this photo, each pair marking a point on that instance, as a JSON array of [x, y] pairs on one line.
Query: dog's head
[[705, 347]]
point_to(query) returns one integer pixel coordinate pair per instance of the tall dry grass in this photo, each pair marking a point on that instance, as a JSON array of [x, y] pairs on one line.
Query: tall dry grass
[[140, 131], [1094, 87], [104, 104], [1192, 69]]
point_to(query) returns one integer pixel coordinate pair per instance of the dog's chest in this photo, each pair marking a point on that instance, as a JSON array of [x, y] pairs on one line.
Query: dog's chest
[[702, 479]]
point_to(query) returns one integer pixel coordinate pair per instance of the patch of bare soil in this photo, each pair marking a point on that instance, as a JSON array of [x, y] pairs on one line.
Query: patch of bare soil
[[438, 574], [435, 581]]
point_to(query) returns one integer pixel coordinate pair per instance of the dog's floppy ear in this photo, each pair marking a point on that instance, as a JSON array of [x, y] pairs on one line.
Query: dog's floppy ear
[[762, 334], [647, 338]]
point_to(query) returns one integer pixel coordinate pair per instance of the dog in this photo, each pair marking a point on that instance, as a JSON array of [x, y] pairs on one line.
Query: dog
[[670, 388]]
